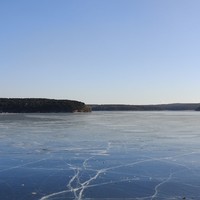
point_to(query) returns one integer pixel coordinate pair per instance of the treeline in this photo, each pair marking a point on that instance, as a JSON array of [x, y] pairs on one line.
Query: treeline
[[160, 107], [37, 105]]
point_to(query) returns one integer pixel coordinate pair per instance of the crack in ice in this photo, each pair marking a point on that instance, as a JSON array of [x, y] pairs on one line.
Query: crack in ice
[[80, 187]]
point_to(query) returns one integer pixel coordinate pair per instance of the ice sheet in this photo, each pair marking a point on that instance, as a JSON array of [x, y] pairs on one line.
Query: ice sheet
[[100, 155]]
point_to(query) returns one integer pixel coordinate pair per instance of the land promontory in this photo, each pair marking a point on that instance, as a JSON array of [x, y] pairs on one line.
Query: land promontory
[[40, 105]]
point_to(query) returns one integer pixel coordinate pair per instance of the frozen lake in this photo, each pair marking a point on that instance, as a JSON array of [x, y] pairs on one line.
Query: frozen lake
[[100, 155]]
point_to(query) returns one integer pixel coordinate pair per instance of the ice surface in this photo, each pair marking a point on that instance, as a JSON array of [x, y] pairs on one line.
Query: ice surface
[[100, 155]]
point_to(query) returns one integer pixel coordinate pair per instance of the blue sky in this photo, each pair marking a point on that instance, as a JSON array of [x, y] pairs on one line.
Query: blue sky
[[101, 51]]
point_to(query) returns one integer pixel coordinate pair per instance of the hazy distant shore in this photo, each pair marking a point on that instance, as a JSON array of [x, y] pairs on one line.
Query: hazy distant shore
[[159, 107]]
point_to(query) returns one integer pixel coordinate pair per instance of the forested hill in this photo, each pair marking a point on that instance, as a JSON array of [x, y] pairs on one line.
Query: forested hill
[[159, 107], [37, 105]]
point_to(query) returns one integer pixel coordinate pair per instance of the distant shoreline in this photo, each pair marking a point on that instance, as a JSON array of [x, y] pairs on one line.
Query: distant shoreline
[[42, 105], [158, 107]]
